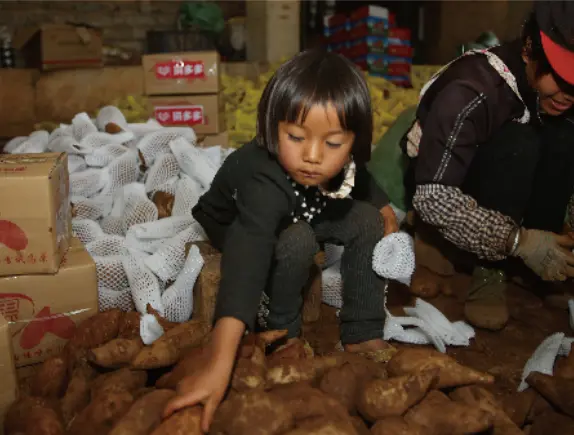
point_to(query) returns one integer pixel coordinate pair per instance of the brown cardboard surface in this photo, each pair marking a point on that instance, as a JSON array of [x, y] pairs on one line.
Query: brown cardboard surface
[[43, 310], [35, 212], [181, 73], [17, 96], [221, 139], [9, 388], [203, 113], [60, 46]]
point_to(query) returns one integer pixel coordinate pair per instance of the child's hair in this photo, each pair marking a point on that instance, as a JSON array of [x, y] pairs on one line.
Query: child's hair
[[317, 77]]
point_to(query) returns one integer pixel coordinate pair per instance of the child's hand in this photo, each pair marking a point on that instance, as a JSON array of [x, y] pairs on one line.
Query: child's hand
[[390, 220], [206, 387]]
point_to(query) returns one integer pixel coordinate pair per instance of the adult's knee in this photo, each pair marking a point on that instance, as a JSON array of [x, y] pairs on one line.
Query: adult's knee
[[298, 241]]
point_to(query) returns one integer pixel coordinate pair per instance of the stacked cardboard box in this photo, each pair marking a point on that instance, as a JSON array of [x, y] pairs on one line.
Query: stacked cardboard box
[[370, 38], [48, 281], [184, 90]]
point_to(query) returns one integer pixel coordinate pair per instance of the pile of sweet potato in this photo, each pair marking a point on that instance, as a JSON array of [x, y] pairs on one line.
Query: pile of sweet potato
[[547, 406], [107, 382]]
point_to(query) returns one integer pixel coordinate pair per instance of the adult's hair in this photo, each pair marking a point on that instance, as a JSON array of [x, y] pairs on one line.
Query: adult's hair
[[317, 77], [532, 41]]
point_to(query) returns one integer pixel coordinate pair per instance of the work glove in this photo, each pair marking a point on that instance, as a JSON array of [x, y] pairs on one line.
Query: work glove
[[549, 255]]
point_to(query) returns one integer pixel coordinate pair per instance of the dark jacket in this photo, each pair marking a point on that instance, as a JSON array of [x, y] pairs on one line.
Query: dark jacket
[[248, 204]]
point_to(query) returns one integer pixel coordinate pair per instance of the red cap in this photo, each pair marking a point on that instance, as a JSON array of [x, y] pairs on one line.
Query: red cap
[[561, 59]]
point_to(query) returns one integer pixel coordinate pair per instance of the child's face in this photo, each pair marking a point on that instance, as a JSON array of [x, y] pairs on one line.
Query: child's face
[[315, 150]]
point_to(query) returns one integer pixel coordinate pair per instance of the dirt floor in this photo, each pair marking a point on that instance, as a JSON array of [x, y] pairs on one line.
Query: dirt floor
[[502, 354]]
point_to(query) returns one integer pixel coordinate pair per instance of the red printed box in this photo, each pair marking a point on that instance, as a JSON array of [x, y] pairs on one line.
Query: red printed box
[[35, 213], [181, 73], [43, 310], [203, 113]]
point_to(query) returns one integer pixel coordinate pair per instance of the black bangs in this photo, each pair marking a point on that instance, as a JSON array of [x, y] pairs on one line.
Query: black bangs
[[311, 78]]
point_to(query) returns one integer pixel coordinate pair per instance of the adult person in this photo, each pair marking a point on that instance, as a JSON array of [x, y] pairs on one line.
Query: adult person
[[492, 157]]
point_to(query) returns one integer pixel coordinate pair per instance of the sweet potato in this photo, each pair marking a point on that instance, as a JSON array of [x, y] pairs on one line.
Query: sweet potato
[[292, 371], [33, 416], [77, 394], [164, 202], [478, 397], [395, 426], [451, 373], [518, 405], [96, 330], [324, 426], [252, 412], [51, 379], [539, 406], [360, 426], [123, 379], [250, 372], [130, 325], [185, 422], [100, 416], [365, 369], [304, 401], [438, 415], [558, 391], [168, 349], [193, 360], [382, 398], [144, 415], [341, 383], [552, 423], [564, 367], [116, 353]]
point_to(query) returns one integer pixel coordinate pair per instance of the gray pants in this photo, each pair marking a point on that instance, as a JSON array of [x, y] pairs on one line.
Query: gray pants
[[358, 227]]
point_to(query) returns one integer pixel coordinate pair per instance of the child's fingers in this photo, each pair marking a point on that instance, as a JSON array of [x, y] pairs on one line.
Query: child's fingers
[[208, 412], [180, 402]]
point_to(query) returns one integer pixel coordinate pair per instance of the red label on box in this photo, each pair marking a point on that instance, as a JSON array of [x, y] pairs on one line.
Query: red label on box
[[177, 115], [180, 69]]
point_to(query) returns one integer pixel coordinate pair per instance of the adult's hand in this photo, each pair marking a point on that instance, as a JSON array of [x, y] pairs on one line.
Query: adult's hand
[[549, 255]]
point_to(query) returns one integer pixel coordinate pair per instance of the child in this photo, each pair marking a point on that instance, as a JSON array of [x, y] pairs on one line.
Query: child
[[301, 181], [492, 155]]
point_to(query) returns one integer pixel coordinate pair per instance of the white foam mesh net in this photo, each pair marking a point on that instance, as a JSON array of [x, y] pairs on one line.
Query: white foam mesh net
[[139, 259]]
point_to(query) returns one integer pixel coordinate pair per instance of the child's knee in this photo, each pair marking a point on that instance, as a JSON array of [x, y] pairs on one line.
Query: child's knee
[[369, 222], [298, 241]]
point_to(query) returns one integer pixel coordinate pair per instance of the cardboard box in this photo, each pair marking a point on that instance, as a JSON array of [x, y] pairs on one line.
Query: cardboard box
[[35, 212], [273, 28], [9, 389], [60, 46], [221, 139], [43, 310], [194, 72], [204, 113]]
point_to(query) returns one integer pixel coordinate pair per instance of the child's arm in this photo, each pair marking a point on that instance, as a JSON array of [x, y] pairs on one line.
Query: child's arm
[[208, 386]]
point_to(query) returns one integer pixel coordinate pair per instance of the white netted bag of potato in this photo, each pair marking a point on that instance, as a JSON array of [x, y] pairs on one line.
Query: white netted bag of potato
[[66, 143], [105, 155], [107, 245], [86, 230], [121, 299], [100, 139], [187, 194], [87, 183], [138, 207], [82, 125], [169, 259], [163, 228], [121, 171], [144, 285], [76, 163], [37, 142], [332, 285], [140, 129], [90, 208], [177, 299], [156, 143], [111, 272], [111, 115], [164, 168], [193, 162], [14, 143], [170, 186]]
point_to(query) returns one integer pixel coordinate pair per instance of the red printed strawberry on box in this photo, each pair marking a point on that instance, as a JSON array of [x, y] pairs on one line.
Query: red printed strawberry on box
[[43, 310], [35, 215]]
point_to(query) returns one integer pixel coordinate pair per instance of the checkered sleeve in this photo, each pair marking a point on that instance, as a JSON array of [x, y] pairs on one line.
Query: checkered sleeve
[[460, 220]]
